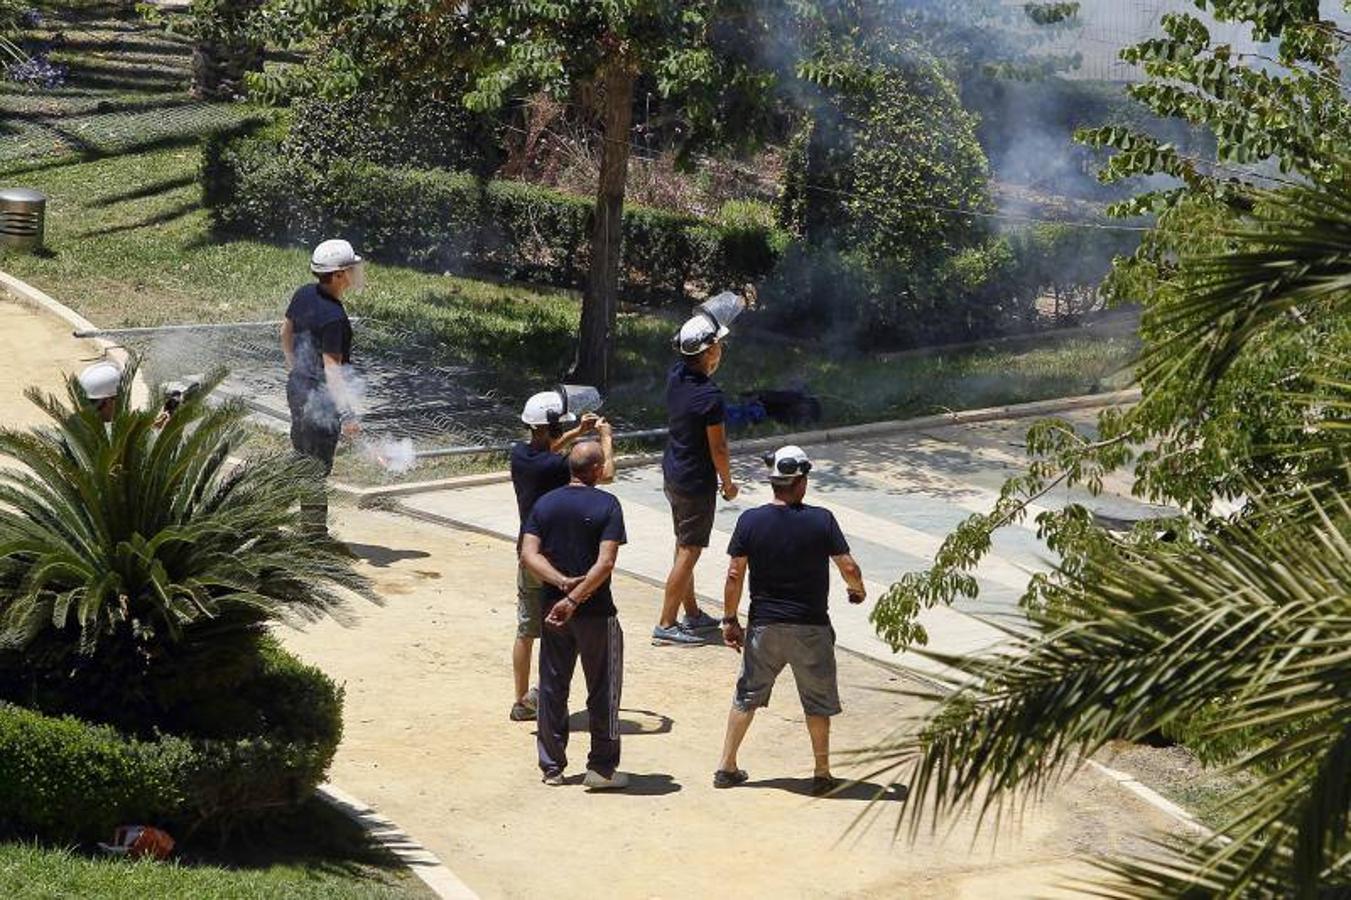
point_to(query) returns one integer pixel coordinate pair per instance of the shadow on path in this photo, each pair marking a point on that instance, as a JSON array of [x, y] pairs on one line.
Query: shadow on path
[[384, 557], [631, 722], [848, 790]]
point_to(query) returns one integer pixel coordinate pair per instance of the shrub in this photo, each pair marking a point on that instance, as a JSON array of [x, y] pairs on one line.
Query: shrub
[[454, 222], [62, 778], [137, 570]]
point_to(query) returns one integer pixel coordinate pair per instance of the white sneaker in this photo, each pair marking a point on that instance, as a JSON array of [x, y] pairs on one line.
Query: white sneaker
[[598, 782]]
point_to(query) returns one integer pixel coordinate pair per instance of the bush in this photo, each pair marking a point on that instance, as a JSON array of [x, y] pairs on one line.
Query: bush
[[454, 222], [62, 778]]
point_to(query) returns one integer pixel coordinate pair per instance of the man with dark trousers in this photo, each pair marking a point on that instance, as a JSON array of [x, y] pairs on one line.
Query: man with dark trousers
[[316, 338], [788, 547], [696, 461], [571, 543], [538, 466]]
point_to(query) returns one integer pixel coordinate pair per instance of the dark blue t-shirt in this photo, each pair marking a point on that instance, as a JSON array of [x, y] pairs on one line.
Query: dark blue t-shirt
[[571, 523], [789, 549], [321, 326], [534, 473], [693, 403]]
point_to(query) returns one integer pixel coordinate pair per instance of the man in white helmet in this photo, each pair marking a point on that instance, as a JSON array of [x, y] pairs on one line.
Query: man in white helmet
[[101, 383], [538, 466], [788, 547], [317, 341], [696, 462]]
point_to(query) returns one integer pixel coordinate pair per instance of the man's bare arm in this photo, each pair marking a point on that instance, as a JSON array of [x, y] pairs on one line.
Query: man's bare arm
[[340, 389], [732, 588], [853, 577], [596, 575], [722, 459], [288, 343], [538, 564]]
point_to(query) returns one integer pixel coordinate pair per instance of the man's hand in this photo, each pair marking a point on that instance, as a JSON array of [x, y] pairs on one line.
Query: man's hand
[[857, 597], [734, 635], [588, 423], [570, 582], [351, 428], [604, 427], [561, 612], [730, 491]]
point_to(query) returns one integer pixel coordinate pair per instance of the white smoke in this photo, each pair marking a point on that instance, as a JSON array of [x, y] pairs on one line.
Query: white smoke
[[394, 456]]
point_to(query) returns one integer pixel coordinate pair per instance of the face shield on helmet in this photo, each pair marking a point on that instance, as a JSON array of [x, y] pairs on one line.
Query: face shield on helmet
[[710, 323]]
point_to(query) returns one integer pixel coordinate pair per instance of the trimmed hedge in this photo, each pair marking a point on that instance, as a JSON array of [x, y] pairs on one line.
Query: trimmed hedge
[[64, 779], [454, 222]]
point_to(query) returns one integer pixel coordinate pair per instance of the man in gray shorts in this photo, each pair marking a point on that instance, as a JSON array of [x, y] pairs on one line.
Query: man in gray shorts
[[788, 547]]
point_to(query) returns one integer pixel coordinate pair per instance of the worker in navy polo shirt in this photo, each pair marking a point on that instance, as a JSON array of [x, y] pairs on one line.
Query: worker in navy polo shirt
[[788, 547], [571, 544], [316, 338], [538, 466], [696, 467]]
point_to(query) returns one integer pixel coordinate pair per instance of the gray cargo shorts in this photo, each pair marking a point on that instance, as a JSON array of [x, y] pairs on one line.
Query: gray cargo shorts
[[529, 603], [808, 649], [692, 515]]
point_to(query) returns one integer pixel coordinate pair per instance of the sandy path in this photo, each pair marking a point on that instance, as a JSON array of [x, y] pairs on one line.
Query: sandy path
[[35, 350], [428, 743]]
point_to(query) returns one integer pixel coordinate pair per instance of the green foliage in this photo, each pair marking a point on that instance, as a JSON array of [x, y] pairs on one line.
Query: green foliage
[[136, 561], [1152, 642], [889, 167], [1293, 114], [917, 168], [265, 743], [452, 221], [68, 780]]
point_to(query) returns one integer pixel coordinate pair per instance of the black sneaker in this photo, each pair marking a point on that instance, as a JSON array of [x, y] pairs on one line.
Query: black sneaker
[[824, 784], [725, 779]]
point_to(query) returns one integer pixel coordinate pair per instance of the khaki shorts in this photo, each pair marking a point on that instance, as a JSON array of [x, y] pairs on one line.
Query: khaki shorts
[[692, 515], [529, 603], [808, 649]]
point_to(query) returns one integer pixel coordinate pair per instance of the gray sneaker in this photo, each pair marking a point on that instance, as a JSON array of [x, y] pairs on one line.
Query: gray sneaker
[[725, 779], [701, 621], [598, 782], [553, 779], [674, 635]]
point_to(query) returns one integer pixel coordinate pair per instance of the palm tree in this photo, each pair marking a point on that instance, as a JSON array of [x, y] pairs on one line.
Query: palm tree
[[138, 562], [1245, 630]]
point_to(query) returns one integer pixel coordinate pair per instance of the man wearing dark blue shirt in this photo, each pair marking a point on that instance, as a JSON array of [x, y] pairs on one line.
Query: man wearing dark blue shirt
[[538, 467], [571, 544], [788, 547], [316, 338], [696, 461]]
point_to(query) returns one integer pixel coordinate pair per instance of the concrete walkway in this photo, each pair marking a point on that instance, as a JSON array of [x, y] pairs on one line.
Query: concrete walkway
[[896, 499]]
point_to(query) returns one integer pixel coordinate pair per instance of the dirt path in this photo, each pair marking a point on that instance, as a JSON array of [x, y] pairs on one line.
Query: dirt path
[[35, 351], [428, 743]]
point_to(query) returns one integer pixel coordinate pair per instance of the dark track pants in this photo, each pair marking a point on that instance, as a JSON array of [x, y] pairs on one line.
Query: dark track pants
[[600, 644], [315, 431]]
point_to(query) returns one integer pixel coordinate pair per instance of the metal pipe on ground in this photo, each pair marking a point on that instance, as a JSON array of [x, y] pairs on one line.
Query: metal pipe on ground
[[199, 326]]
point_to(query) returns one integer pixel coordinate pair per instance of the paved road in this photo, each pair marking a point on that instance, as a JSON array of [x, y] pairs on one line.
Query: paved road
[[896, 499]]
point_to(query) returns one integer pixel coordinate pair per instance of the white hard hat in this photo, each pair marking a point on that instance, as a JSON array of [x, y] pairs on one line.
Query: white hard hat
[[787, 463], [101, 381], [709, 324], [545, 408], [333, 256], [697, 335]]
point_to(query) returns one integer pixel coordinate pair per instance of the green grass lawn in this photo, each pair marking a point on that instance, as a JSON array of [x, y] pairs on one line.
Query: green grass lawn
[[315, 854], [129, 245]]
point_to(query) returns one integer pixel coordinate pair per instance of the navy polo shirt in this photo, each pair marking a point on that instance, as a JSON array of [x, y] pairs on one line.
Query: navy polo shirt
[[788, 549], [693, 403], [571, 523], [534, 473], [321, 326]]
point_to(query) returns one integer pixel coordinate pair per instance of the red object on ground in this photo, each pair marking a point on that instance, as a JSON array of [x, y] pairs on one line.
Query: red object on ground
[[140, 842]]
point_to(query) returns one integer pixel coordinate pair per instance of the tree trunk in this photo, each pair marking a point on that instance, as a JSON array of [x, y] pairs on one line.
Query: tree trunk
[[225, 52], [600, 297]]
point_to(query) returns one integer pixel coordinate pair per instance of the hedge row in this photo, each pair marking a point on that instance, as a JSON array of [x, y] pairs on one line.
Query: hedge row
[[63, 779], [454, 222]]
